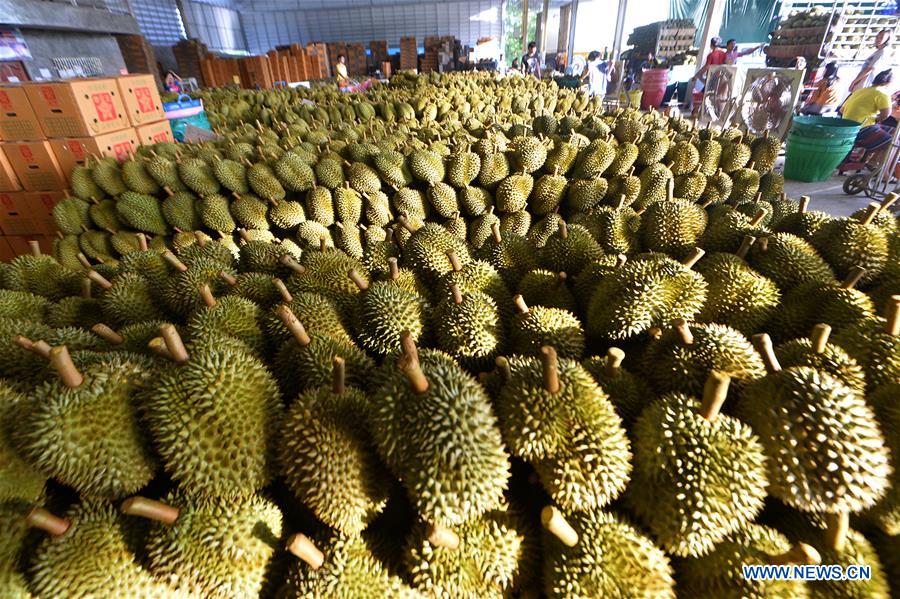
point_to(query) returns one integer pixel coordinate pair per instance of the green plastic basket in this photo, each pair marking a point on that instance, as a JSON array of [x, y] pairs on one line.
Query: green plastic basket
[[816, 146]]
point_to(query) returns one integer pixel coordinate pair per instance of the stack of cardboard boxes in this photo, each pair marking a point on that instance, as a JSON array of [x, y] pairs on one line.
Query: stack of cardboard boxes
[[47, 128]]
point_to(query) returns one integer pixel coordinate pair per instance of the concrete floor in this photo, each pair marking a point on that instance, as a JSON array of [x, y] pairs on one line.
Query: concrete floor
[[827, 196]]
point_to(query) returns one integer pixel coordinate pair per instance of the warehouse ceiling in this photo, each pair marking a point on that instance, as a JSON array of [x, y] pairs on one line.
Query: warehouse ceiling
[[275, 5]]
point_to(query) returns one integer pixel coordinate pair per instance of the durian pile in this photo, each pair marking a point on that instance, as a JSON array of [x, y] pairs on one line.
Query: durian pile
[[517, 348]]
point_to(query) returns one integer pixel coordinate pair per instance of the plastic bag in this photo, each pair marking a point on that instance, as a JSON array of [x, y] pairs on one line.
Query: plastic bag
[[183, 112]]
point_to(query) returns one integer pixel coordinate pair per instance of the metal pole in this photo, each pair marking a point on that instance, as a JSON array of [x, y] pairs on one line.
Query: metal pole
[[620, 29], [524, 27], [542, 43], [573, 18], [714, 14]]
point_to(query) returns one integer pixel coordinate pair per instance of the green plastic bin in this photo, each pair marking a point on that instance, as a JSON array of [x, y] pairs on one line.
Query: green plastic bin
[[816, 145]]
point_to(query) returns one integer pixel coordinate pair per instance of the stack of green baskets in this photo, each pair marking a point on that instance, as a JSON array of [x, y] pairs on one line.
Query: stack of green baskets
[[816, 145]]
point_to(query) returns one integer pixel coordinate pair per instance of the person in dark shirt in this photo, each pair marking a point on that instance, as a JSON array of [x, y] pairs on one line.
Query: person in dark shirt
[[531, 62]]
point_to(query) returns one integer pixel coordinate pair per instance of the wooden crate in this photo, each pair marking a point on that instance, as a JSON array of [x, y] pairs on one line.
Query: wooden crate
[[409, 58], [256, 72], [356, 60], [188, 54], [320, 67], [139, 56], [379, 50]]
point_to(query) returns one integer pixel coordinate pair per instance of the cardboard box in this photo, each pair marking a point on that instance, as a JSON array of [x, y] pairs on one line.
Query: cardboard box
[[17, 119], [74, 151], [41, 204], [6, 251], [35, 165], [78, 108], [147, 135], [16, 216], [8, 179], [141, 99]]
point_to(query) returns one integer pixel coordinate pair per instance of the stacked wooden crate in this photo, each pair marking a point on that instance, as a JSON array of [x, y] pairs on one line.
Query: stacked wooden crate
[[188, 54], [409, 57], [430, 58], [257, 72], [139, 55], [379, 49], [335, 49], [301, 60], [219, 72], [356, 60], [319, 64]]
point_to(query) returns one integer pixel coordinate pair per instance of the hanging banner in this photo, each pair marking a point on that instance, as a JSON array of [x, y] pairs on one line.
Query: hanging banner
[[744, 20], [12, 45]]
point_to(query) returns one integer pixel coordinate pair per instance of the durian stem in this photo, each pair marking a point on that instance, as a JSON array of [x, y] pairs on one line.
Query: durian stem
[[393, 269], [853, 277], [563, 229], [107, 334], [416, 377], [746, 244], [404, 222], [158, 347], [40, 348], [555, 523], [173, 261], [457, 294], [358, 280], [612, 367], [888, 201], [286, 296], [201, 238], [62, 362], [290, 321], [151, 509], [495, 232], [230, 280], [620, 203], [819, 337], [836, 533], [441, 536], [621, 259], [86, 288], [99, 279], [804, 204], [301, 546], [41, 519], [174, 343], [454, 261], [683, 330], [892, 324], [760, 215], [550, 366], [763, 344], [670, 189], [289, 262], [408, 348], [338, 375], [520, 304], [764, 244], [693, 257], [871, 211], [502, 365], [715, 390], [561, 279], [206, 294], [35, 247], [800, 554], [323, 245]]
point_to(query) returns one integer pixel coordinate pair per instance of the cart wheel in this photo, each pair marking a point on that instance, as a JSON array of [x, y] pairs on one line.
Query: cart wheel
[[855, 185]]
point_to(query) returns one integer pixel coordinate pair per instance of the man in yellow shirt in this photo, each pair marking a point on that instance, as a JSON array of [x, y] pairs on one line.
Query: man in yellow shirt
[[868, 107]]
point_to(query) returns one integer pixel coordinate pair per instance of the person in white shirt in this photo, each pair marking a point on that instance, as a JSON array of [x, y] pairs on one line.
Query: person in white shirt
[[878, 61], [596, 74]]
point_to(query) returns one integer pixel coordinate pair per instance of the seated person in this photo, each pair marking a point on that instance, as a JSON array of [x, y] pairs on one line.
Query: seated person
[[824, 97], [870, 106]]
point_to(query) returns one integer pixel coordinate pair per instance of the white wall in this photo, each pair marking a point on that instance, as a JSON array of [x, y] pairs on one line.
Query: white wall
[[468, 20], [596, 24], [216, 26]]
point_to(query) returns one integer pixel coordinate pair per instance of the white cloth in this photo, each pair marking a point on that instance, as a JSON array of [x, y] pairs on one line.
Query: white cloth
[[598, 77]]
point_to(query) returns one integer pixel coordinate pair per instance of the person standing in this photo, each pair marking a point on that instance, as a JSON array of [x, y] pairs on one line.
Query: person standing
[[716, 56], [824, 97], [879, 60], [340, 71], [732, 53], [531, 62], [597, 74]]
